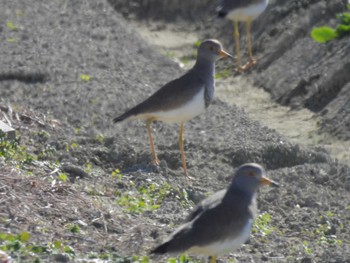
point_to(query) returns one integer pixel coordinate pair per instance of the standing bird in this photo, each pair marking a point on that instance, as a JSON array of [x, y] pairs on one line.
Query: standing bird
[[223, 221], [181, 99], [242, 10]]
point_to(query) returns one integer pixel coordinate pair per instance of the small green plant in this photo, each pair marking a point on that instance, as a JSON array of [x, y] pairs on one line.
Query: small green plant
[[100, 138], [74, 228], [182, 259], [11, 40], [11, 26], [307, 249], [19, 245], [88, 168], [116, 173], [63, 177], [145, 198], [324, 231], [262, 224], [197, 43], [223, 74], [85, 77], [325, 33], [13, 152]]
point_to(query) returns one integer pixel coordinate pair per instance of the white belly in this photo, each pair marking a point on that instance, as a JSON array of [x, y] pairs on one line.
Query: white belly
[[253, 11], [228, 245], [186, 112]]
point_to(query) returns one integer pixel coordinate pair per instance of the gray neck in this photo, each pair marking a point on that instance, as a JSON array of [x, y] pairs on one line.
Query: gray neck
[[247, 194], [205, 68], [242, 201]]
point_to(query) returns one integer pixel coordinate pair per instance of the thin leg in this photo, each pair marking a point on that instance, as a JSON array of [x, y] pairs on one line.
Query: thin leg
[[213, 259], [252, 61], [181, 144], [154, 156], [238, 52]]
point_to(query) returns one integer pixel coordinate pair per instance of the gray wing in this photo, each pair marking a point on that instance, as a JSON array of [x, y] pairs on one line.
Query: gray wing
[[170, 96], [226, 6], [212, 224], [205, 204]]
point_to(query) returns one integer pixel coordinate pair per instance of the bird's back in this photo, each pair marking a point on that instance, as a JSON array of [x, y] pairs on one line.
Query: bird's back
[[241, 9]]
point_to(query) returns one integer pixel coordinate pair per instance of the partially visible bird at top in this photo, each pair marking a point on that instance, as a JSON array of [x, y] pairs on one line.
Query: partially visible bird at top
[[244, 11]]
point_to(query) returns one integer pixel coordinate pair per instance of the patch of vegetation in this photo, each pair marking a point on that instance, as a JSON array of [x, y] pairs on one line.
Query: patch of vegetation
[[73, 228], [13, 152], [11, 40], [11, 26], [100, 138], [197, 43], [147, 197], [117, 174], [19, 247], [262, 224], [325, 231], [85, 77], [182, 259], [223, 74], [307, 249], [62, 177], [325, 33]]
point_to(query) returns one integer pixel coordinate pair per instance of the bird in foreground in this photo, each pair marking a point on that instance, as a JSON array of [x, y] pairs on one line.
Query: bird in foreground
[[181, 99], [221, 222], [242, 10]]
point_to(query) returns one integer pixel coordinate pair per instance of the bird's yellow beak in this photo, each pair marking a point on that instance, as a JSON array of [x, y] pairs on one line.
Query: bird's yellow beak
[[224, 54], [267, 181]]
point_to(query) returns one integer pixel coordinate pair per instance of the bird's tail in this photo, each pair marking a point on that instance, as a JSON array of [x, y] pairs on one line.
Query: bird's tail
[[221, 14], [161, 249], [121, 117]]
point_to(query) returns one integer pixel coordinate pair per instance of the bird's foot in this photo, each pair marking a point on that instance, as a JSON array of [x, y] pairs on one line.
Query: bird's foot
[[249, 65], [190, 177], [155, 161]]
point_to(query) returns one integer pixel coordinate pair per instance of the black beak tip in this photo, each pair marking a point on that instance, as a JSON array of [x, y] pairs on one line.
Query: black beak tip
[[274, 184]]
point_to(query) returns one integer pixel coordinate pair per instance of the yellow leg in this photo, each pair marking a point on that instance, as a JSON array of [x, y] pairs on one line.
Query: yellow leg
[[181, 145], [213, 259], [252, 61], [154, 156], [238, 52]]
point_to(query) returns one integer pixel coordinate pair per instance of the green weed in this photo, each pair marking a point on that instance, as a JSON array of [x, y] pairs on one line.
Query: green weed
[[73, 228], [182, 259], [307, 249], [262, 224], [149, 197], [19, 246], [223, 74], [117, 174], [325, 33], [11, 26], [13, 152], [85, 77]]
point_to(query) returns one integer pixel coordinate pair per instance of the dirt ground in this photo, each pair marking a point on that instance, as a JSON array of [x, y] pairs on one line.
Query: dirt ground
[[68, 68]]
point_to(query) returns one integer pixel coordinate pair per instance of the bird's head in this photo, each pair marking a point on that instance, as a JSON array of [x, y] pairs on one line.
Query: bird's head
[[211, 49], [250, 176]]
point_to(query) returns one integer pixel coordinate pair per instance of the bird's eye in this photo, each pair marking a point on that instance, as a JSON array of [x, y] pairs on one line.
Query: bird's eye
[[211, 48], [250, 173]]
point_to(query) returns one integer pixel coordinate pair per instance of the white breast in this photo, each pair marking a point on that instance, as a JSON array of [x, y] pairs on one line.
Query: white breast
[[253, 11], [227, 245], [186, 112]]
